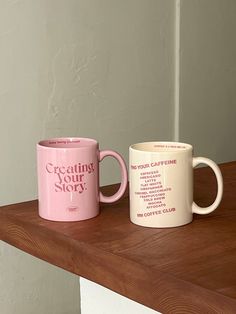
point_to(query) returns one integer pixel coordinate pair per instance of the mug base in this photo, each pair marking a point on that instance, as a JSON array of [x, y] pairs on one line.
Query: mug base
[[164, 226], [66, 219]]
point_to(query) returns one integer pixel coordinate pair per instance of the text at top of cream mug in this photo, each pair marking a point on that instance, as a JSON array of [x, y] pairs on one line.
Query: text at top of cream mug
[[161, 184], [68, 178]]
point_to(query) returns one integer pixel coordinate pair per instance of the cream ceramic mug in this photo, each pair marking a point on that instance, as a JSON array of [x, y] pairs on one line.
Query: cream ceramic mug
[[161, 184]]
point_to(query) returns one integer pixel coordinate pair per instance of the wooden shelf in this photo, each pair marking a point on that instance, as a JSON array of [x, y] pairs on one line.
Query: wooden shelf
[[189, 269]]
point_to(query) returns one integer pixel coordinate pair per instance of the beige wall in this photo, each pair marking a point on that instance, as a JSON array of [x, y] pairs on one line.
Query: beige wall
[[99, 69], [95, 68], [208, 77], [30, 286]]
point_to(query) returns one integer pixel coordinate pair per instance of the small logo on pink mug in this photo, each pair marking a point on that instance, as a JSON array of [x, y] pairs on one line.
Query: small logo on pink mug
[[72, 209]]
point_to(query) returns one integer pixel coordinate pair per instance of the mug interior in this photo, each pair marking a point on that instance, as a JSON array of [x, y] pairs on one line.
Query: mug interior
[[161, 147], [70, 142]]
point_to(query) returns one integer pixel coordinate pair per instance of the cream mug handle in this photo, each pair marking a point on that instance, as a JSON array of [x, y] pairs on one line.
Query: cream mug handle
[[206, 210]]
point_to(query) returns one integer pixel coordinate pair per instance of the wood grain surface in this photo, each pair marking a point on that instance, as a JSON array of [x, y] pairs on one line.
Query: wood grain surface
[[189, 269]]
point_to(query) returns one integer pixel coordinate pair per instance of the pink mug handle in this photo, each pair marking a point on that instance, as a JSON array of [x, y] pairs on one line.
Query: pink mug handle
[[124, 177]]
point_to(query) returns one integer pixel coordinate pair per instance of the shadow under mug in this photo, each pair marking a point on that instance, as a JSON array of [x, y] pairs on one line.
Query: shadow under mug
[[68, 178], [161, 184]]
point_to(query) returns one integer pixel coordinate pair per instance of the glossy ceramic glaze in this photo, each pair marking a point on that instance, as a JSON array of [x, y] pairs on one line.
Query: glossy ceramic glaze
[[68, 178], [161, 184]]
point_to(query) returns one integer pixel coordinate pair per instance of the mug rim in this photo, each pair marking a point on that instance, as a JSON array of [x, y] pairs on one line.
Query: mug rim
[[62, 141], [180, 147]]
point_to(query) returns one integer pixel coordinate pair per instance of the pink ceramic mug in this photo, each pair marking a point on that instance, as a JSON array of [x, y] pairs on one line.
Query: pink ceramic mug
[[68, 178]]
